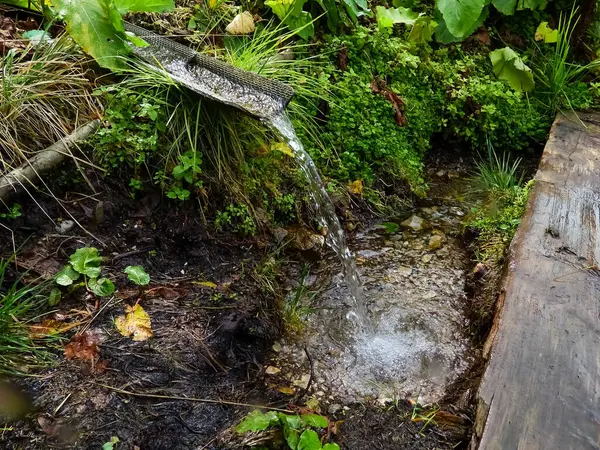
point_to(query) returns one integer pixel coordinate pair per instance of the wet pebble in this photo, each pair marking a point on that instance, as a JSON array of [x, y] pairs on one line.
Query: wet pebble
[[427, 258], [435, 242], [415, 223]]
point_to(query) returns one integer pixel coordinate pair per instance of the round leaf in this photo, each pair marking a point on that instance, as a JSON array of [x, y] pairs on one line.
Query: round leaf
[[460, 15], [137, 274], [508, 66], [86, 260], [66, 276], [257, 421], [309, 440], [102, 287]]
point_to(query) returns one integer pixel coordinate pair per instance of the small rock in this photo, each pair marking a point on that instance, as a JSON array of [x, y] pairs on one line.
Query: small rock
[[453, 174], [65, 226], [480, 270], [443, 252], [426, 258], [303, 239], [441, 173], [272, 370], [457, 211], [302, 382], [415, 223], [276, 347], [280, 234], [404, 271], [429, 295], [334, 408], [435, 242]]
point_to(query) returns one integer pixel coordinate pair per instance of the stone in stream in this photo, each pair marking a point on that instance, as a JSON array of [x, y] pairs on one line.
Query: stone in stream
[[436, 241], [415, 223], [303, 239]]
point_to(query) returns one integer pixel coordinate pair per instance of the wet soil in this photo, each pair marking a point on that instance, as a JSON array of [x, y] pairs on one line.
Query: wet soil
[[209, 338], [215, 306]]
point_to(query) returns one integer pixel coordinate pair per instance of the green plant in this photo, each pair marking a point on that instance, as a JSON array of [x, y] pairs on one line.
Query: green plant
[[97, 25], [44, 93], [299, 303], [137, 275], [497, 178], [558, 75], [13, 212], [87, 262], [236, 218], [495, 227], [19, 353], [298, 431]]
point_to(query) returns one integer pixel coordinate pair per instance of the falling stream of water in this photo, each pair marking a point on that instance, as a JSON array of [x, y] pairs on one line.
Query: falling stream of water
[[327, 218]]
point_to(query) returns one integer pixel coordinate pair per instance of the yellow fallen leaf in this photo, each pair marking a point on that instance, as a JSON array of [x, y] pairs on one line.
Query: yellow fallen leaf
[[287, 390], [207, 284], [283, 148], [356, 187], [135, 322]]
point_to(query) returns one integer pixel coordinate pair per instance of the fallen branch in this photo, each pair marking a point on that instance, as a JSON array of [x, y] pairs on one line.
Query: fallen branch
[[191, 399], [44, 161]]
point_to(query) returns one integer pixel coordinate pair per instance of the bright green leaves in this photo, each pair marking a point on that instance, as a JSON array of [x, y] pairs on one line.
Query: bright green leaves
[[309, 440], [298, 431], [356, 9], [127, 6], [138, 275], [508, 66], [423, 30], [66, 276], [86, 261], [290, 12], [546, 34], [508, 7], [387, 17], [102, 287], [460, 15], [257, 421], [97, 25]]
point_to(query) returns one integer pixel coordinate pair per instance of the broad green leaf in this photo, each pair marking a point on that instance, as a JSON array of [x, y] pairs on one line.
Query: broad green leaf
[[257, 421], [293, 420], [127, 6], [290, 12], [507, 65], [460, 15], [97, 27], [54, 297], [444, 36], [331, 447], [422, 31], [291, 435], [356, 9], [506, 7], [387, 17], [136, 40], [546, 34], [138, 275], [66, 276], [315, 421], [102, 287], [86, 261], [333, 15], [309, 440]]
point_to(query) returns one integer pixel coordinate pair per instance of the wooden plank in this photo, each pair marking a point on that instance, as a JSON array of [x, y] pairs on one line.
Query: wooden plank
[[541, 389]]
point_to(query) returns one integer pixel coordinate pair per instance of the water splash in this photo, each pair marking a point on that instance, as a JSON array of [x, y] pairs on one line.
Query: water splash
[[335, 238]]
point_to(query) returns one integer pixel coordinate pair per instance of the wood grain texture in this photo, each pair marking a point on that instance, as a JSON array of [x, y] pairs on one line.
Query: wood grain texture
[[541, 389]]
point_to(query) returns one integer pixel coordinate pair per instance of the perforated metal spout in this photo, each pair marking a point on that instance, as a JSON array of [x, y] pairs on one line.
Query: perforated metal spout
[[212, 78]]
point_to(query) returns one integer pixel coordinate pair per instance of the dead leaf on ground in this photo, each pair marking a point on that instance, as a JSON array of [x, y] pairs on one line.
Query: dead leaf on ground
[[83, 346], [50, 327], [287, 390], [166, 292], [135, 322], [241, 24], [483, 36]]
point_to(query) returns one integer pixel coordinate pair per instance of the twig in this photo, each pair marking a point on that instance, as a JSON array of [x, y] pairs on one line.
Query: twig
[[190, 399], [310, 379]]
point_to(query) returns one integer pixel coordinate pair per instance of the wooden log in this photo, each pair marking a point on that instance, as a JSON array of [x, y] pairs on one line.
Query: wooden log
[[44, 161], [541, 389]]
